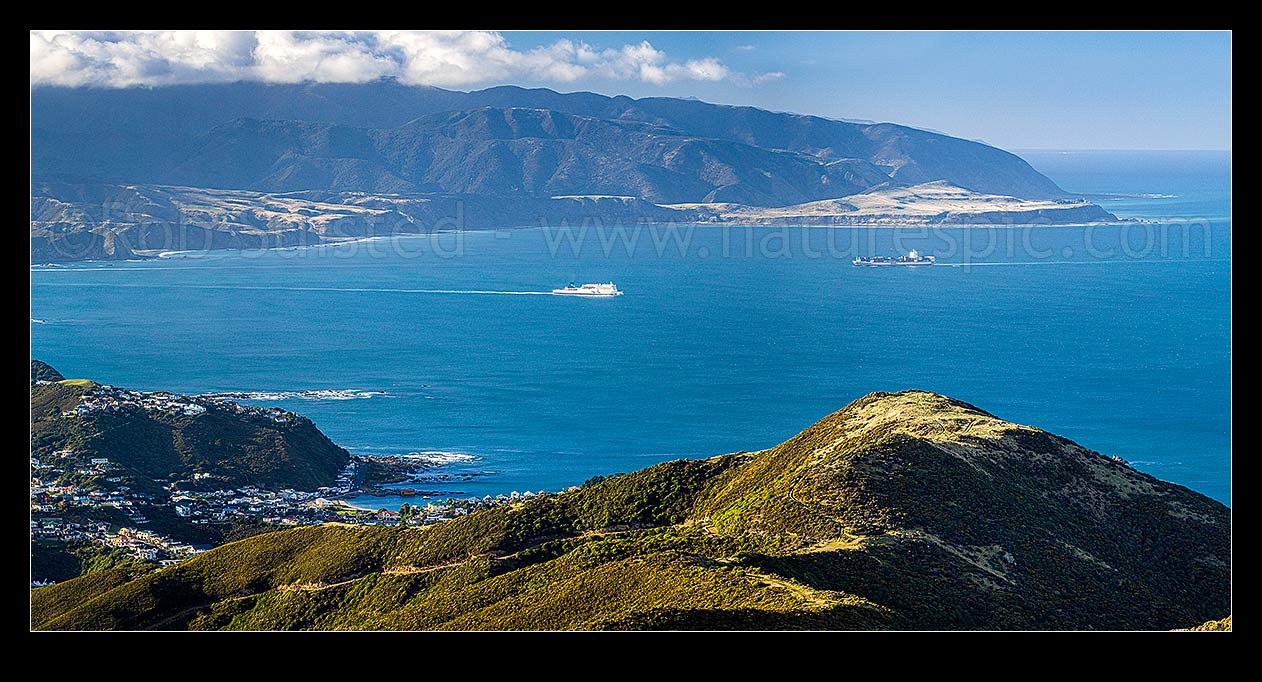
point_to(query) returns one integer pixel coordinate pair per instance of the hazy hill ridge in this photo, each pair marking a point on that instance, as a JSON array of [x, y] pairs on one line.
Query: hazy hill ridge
[[385, 137], [126, 172], [902, 510]]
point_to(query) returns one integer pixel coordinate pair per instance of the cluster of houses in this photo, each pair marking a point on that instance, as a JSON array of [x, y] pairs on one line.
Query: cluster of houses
[[49, 494], [346, 479], [114, 399], [54, 528], [276, 414], [62, 511], [142, 544], [150, 546], [451, 508], [294, 507], [284, 507]]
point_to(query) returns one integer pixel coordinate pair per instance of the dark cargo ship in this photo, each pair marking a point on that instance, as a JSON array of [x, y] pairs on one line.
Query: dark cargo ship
[[912, 258]]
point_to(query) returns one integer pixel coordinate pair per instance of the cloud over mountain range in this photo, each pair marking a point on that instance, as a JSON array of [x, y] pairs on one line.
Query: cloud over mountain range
[[441, 58]]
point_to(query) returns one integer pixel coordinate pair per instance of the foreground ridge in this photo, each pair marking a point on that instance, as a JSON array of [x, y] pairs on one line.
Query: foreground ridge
[[901, 510]]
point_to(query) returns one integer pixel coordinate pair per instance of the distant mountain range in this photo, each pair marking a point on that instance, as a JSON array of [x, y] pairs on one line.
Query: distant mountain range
[[901, 511], [510, 156], [386, 137]]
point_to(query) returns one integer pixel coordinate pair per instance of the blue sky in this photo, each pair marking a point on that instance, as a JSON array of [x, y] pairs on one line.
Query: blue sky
[[1061, 90], [1058, 90]]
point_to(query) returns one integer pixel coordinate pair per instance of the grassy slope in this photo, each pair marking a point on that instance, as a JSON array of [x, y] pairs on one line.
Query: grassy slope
[[59, 561], [1222, 625], [907, 510]]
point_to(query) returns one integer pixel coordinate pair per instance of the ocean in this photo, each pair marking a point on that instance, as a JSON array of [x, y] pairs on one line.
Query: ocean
[[728, 338]]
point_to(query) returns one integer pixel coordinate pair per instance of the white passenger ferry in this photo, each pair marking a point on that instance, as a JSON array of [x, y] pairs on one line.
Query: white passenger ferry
[[607, 289]]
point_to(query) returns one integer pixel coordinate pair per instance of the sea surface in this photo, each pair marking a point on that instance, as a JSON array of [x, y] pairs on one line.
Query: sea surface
[[727, 339]]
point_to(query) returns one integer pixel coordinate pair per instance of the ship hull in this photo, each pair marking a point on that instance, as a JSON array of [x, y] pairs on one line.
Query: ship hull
[[590, 290]]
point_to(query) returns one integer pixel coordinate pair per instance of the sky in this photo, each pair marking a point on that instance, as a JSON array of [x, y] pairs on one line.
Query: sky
[[1016, 90]]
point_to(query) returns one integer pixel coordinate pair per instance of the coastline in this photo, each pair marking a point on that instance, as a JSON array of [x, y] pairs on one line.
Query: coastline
[[148, 255]]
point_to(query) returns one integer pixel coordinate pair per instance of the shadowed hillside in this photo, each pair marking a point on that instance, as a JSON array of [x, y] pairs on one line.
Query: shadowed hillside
[[132, 172], [385, 137], [155, 439]]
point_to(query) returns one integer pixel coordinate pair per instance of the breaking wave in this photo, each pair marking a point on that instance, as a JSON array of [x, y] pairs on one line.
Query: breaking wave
[[439, 457], [322, 394]]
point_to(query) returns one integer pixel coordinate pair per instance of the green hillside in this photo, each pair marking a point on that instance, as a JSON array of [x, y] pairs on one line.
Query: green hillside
[[906, 510], [149, 447], [54, 560], [42, 371]]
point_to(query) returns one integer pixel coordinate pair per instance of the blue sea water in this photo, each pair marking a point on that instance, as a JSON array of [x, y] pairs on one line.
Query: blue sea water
[[727, 338]]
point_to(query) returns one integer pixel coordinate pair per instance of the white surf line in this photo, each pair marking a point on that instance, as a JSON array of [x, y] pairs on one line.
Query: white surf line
[[329, 289]]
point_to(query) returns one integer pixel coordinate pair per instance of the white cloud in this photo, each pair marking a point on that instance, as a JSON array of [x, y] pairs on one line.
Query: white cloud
[[441, 58], [757, 79], [287, 57]]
